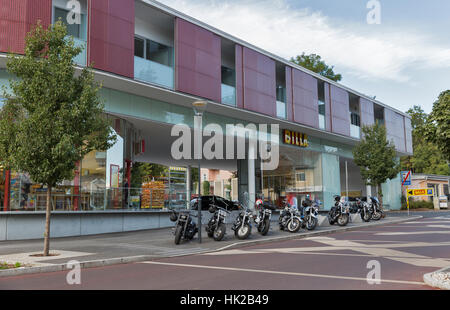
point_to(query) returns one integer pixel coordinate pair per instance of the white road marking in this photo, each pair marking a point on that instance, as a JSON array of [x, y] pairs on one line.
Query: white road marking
[[399, 233], [282, 273]]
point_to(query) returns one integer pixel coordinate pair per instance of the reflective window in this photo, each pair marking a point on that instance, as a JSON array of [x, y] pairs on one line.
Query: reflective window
[[74, 30]]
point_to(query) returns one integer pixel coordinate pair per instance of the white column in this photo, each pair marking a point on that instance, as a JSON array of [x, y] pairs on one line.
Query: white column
[[251, 176], [188, 186]]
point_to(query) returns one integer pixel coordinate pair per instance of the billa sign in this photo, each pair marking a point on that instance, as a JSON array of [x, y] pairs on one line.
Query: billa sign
[[421, 192], [295, 138]]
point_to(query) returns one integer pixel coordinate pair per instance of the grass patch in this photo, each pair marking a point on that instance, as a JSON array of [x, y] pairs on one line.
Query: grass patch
[[5, 265]]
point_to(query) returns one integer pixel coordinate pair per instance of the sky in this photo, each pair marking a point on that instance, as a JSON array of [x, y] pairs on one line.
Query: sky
[[403, 61]]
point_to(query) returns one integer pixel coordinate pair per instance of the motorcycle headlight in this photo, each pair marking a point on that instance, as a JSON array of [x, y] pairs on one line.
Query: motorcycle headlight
[[183, 217]]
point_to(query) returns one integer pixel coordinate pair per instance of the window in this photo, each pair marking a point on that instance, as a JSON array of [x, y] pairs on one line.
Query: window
[[300, 177], [321, 102], [355, 119], [74, 30], [153, 51], [281, 109], [139, 47]]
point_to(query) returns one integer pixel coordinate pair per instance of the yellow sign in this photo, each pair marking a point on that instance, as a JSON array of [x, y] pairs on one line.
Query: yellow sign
[[295, 138], [420, 192]]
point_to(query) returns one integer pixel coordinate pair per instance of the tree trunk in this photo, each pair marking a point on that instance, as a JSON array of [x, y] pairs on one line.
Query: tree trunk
[[380, 196], [47, 222]]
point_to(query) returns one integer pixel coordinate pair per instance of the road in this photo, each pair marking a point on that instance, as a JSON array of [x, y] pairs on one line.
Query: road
[[404, 252]]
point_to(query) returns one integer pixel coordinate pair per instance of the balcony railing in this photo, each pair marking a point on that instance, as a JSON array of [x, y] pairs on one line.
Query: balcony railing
[[228, 95], [281, 109], [153, 72], [80, 59], [355, 131]]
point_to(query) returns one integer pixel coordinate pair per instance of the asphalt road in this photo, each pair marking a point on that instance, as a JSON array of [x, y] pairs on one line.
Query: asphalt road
[[403, 252]]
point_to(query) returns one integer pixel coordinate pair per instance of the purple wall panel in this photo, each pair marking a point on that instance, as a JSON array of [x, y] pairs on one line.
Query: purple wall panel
[[111, 36], [17, 18], [198, 61], [305, 99], [395, 130], [259, 82], [340, 115], [239, 76], [327, 107], [367, 117], [289, 95]]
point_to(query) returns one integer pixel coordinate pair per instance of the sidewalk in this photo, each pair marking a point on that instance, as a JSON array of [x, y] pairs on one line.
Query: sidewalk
[[115, 248]]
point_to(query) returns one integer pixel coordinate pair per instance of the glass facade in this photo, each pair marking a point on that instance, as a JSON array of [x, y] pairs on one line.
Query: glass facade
[[321, 102], [228, 86], [298, 174]]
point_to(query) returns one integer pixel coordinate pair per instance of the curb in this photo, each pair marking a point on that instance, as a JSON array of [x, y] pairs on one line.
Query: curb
[[435, 279], [139, 258]]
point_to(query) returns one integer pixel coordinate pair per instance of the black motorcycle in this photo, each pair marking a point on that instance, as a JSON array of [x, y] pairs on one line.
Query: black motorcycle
[[242, 226], [216, 226], [363, 209], [375, 209], [185, 227], [310, 214], [339, 213], [290, 219], [262, 220]]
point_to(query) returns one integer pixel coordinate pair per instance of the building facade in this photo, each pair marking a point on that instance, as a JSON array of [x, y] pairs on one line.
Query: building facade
[[154, 62]]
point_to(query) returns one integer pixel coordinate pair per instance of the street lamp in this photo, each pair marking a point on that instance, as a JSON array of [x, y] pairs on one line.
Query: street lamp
[[199, 107]]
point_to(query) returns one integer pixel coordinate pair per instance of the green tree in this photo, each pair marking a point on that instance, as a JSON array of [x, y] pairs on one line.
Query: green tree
[[376, 157], [206, 188], [315, 63], [52, 118], [437, 128], [427, 158]]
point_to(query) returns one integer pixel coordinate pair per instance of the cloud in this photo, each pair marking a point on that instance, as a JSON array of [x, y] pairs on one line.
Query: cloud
[[275, 26]]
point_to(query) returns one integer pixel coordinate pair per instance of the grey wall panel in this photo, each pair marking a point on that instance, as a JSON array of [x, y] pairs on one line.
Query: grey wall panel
[[340, 115]]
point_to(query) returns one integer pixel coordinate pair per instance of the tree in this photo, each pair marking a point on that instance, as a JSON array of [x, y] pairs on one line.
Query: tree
[[376, 157], [51, 118], [437, 128], [206, 188], [315, 63], [427, 158]]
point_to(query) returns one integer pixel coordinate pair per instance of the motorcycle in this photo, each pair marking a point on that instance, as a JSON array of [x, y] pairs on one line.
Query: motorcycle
[[262, 220], [290, 219], [242, 226], [375, 209], [185, 227], [363, 210], [216, 226], [310, 214], [340, 212]]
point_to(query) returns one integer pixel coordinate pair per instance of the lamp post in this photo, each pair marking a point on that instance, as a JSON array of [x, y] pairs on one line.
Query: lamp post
[[199, 107]]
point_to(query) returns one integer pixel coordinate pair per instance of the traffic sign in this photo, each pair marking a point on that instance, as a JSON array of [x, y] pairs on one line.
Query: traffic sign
[[406, 178], [420, 192]]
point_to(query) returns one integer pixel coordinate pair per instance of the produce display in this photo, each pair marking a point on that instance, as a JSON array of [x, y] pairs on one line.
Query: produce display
[[153, 195]]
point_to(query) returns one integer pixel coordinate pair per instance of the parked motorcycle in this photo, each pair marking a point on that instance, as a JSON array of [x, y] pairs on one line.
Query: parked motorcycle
[[310, 214], [242, 226], [364, 210], [216, 227], [262, 220], [290, 219], [340, 212], [185, 227], [375, 209]]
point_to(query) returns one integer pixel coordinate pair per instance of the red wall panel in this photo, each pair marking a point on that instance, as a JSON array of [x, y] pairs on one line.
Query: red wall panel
[[17, 18], [340, 114], [239, 76], [395, 129], [198, 61], [305, 99], [111, 36], [259, 82]]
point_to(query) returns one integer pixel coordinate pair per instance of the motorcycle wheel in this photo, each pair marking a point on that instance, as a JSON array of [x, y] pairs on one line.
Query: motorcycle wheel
[[265, 227], [311, 223], [330, 220], [343, 219], [178, 234], [376, 215], [294, 225], [365, 216], [209, 231], [219, 232], [243, 232]]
